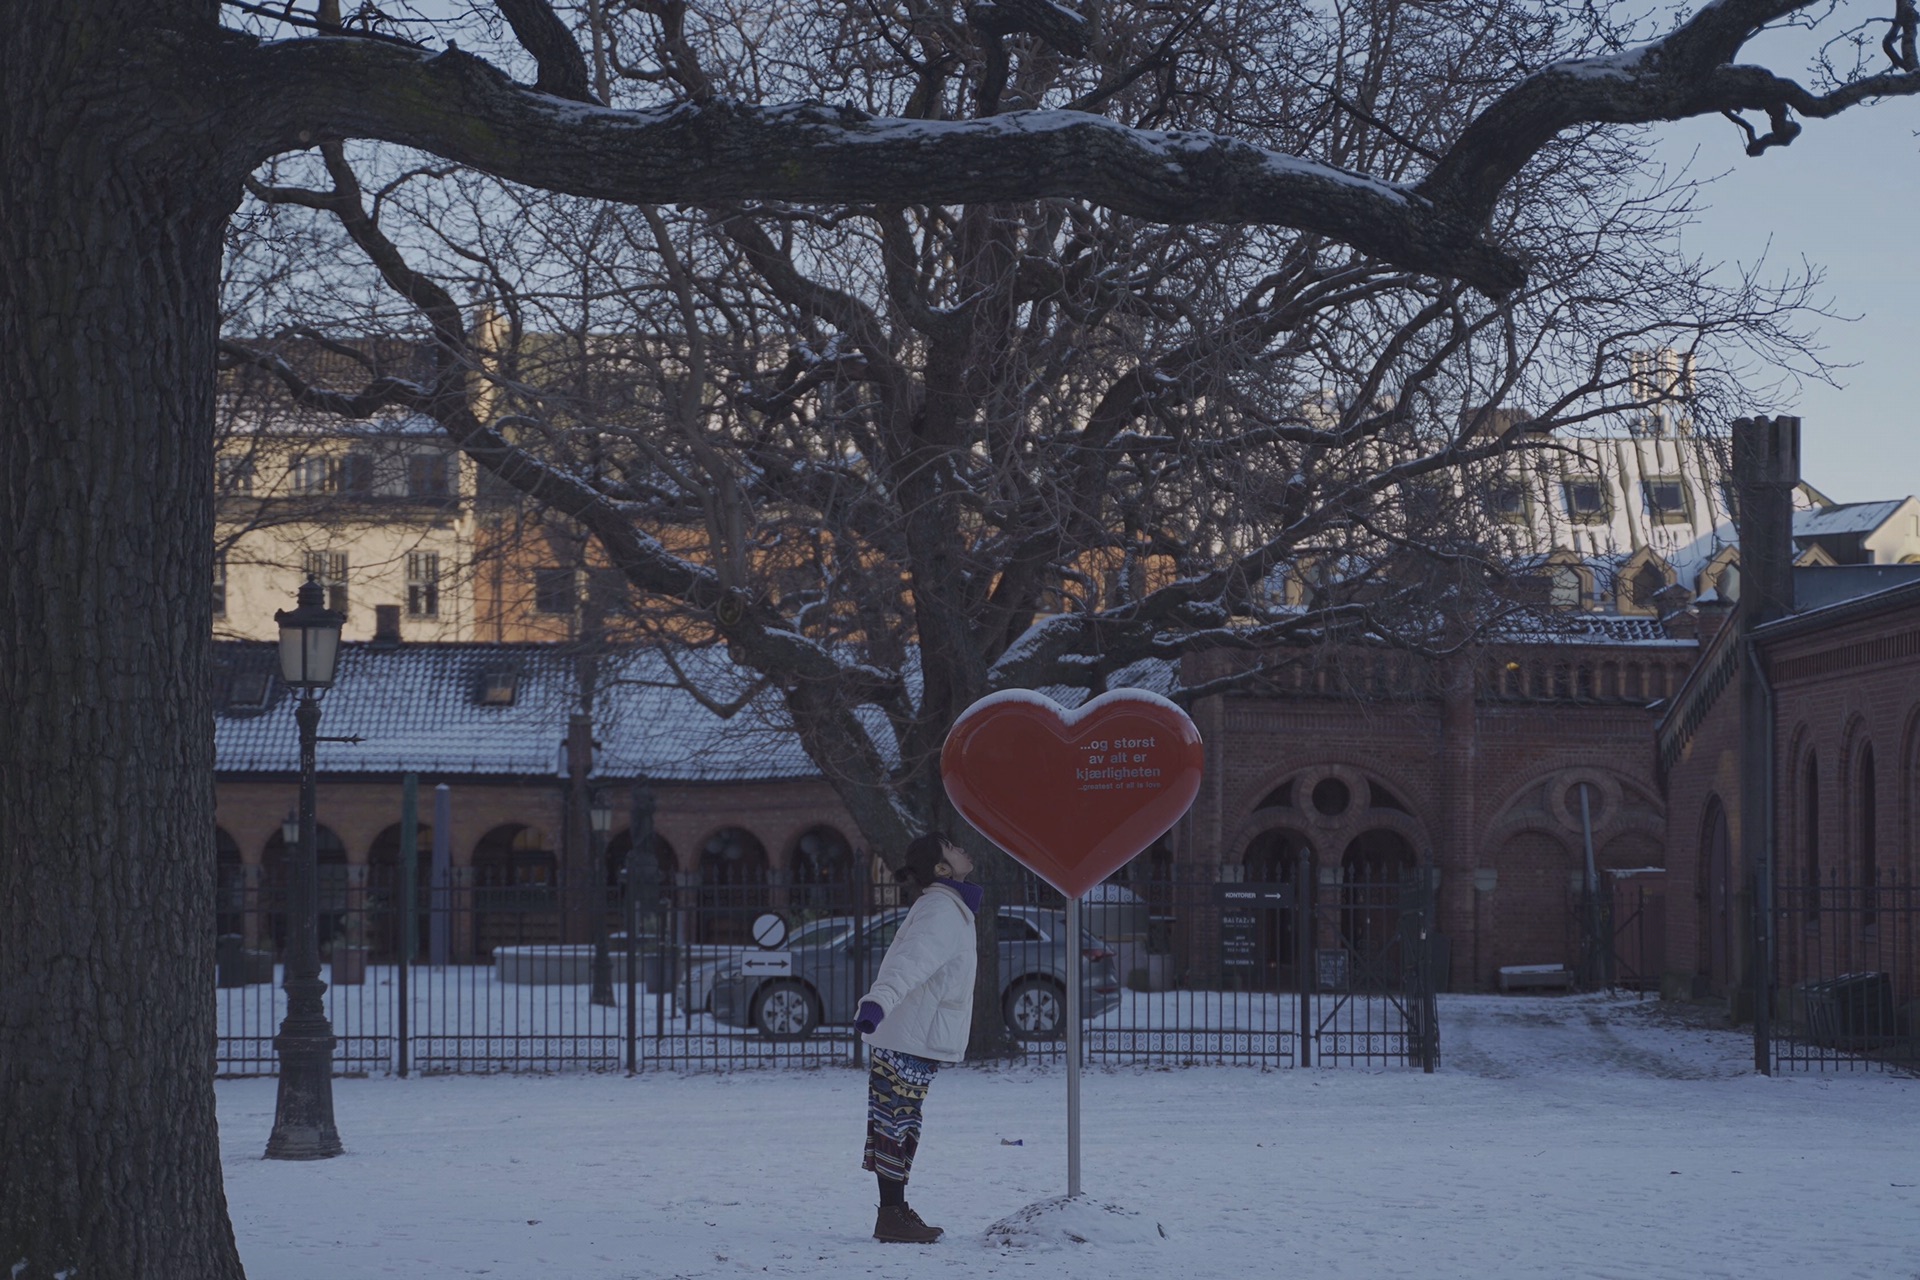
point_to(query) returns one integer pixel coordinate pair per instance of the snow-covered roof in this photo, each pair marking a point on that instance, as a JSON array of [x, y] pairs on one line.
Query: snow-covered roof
[[1584, 628], [1848, 517], [419, 709]]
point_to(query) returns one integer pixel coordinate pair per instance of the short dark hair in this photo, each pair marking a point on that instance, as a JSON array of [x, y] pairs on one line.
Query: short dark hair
[[924, 853]]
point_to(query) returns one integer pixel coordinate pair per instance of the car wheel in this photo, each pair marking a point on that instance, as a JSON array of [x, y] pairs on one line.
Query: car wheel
[[785, 1010], [1036, 1009]]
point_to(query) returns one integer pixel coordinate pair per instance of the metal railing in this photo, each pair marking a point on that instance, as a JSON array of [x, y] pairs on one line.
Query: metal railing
[[1846, 976], [490, 973]]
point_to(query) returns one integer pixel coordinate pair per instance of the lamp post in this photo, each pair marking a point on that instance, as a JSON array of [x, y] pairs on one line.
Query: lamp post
[[599, 822], [641, 878], [303, 1114]]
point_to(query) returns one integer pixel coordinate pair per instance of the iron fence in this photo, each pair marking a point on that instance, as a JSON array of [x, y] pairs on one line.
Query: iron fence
[[1846, 977], [516, 970]]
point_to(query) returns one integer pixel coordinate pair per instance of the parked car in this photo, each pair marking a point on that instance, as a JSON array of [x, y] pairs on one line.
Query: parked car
[[697, 990], [833, 969]]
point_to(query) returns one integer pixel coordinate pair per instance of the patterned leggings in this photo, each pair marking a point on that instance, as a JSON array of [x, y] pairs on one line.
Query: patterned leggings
[[896, 1090]]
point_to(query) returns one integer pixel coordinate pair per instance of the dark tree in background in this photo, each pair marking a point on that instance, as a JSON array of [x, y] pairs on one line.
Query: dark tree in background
[[130, 131]]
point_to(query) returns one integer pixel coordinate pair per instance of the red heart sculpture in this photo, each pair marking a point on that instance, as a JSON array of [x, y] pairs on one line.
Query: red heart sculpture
[[1072, 795]]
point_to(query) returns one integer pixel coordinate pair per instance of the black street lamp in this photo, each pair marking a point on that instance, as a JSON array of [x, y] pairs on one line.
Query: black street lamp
[[303, 1115], [641, 878], [600, 820]]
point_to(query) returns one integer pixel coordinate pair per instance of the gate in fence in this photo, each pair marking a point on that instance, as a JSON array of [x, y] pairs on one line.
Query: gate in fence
[[534, 974]]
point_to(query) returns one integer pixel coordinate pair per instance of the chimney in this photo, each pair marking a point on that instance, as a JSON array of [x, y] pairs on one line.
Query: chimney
[[386, 626], [1766, 467]]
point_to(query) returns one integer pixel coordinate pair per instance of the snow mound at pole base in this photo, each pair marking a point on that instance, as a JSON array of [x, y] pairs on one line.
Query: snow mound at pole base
[[1065, 1221]]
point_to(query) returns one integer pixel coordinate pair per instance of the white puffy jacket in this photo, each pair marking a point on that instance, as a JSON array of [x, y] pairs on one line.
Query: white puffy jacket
[[925, 982]]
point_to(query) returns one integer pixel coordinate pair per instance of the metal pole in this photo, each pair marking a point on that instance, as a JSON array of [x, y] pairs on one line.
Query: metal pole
[[629, 921], [1303, 951], [1592, 960], [409, 871], [440, 891], [1759, 810], [640, 806], [303, 1113], [1073, 1046]]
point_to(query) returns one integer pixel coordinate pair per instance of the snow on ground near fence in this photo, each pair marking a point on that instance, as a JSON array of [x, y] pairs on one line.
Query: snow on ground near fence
[[1563, 1137]]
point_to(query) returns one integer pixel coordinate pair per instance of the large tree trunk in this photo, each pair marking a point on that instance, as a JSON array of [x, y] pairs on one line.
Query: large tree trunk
[[109, 257]]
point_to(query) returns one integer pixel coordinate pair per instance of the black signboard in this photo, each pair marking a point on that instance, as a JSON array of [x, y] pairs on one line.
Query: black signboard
[[1240, 943], [1254, 897], [1242, 939]]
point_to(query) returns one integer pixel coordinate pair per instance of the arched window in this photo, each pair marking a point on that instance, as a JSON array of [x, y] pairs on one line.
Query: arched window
[[1567, 591], [1867, 832], [822, 866], [383, 894], [1715, 896], [330, 904], [733, 886], [514, 856], [1810, 834], [230, 883]]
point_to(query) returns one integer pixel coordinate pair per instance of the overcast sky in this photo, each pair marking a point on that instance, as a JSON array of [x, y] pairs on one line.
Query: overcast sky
[[1843, 196]]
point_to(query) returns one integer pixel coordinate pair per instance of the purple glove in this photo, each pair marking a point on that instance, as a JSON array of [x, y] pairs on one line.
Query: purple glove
[[869, 1016]]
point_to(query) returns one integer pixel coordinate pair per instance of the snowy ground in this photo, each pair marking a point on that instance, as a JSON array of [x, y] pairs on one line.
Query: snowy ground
[[1564, 1137]]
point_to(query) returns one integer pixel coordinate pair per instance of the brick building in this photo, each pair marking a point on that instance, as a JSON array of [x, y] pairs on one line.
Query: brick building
[[1369, 763], [1473, 768], [1843, 809], [736, 803]]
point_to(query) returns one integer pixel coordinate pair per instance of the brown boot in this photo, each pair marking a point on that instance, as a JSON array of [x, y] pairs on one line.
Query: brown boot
[[899, 1224]]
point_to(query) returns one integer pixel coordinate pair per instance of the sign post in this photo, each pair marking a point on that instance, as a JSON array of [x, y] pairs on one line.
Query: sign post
[[1072, 796], [1073, 1048]]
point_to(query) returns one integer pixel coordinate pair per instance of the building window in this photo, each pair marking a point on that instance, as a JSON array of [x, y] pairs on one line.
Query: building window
[[1810, 834], [330, 567], [429, 474], [1586, 499], [553, 590], [423, 584], [1869, 836], [356, 475], [1566, 589], [498, 687], [1507, 501], [1666, 500], [219, 586], [1646, 583], [312, 474], [233, 476]]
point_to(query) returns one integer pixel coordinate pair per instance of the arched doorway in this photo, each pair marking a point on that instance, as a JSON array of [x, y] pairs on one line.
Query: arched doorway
[[1716, 898], [516, 898], [229, 884], [1371, 871], [383, 898], [733, 886], [822, 868], [653, 877], [1273, 858], [330, 898], [1530, 921]]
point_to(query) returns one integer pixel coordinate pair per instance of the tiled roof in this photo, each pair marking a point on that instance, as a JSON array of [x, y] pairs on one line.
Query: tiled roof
[[1585, 628], [417, 707]]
